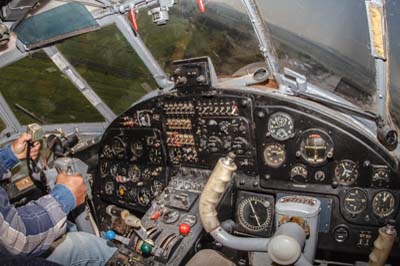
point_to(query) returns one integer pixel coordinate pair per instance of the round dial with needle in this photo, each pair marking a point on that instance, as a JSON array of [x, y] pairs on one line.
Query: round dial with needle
[[274, 154], [355, 201], [254, 213], [281, 126], [383, 204], [346, 172]]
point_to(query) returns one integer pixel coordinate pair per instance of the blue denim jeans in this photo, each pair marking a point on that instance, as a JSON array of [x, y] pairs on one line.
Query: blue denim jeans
[[81, 249]]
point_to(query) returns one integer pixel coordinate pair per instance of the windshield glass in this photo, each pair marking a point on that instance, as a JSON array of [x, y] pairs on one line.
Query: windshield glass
[[326, 41], [110, 65], [37, 91], [2, 126], [222, 32]]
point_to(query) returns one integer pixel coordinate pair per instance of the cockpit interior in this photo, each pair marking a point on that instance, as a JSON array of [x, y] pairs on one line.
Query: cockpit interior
[[257, 168]]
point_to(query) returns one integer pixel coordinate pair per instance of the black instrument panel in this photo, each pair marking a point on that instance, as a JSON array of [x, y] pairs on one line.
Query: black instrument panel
[[281, 145]]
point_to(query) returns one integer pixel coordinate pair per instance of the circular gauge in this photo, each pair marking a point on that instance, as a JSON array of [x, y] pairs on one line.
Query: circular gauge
[[109, 188], [146, 174], [299, 173], [381, 177], [383, 204], [104, 167], [355, 201], [107, 152], [118, 147], [274, 154], [316, 146], [346, 172], [132, 194], [134, 173], [254, 213], [144, 197], [319, 176], [136, 149], [121, 190], [157, 187], [114, 170], [155, 156], [280, 126]]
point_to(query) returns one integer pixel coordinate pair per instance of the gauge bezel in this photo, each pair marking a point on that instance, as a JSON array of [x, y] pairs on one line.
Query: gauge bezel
[[268, 161], [104, 168], [133, 149], [328, 139], [293, 175], [355, 172], [130, 167], [392, 209], [271, 131], [242, 220], [365, 196], [118, 154]]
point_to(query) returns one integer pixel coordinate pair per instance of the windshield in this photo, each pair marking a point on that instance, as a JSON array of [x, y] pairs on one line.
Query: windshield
[[110, 65], [332, 46], [222, 32], [37, 91], [328, 42]]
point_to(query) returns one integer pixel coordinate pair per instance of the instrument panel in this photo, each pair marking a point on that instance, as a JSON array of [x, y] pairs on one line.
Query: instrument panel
[[282, 146]]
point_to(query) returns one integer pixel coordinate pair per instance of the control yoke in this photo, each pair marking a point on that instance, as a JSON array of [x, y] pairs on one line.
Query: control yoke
[[295, 239]]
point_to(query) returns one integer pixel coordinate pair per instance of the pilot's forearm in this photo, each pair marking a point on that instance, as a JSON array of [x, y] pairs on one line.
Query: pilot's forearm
[[31, 229], [7, 160]]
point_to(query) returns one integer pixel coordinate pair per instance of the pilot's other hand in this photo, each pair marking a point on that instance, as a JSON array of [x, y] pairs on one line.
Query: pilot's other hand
[[75, 184], [20, 146]]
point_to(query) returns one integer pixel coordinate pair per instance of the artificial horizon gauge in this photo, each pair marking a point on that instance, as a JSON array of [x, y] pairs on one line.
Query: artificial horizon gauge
[[118, 147], [254, 213], [136, 149], [281, 126], [346, 172], [274, 154], [355, 201], [383, 204], [316, 147]]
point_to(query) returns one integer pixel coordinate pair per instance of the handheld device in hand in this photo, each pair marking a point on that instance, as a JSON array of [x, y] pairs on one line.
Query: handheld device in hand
[[36, 131]]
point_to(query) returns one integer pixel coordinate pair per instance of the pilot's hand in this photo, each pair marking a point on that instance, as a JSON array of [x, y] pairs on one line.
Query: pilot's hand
[[75, 184], [20, 146]]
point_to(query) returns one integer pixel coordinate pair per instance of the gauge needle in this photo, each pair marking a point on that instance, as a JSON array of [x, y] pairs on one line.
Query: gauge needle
[[255, 215]]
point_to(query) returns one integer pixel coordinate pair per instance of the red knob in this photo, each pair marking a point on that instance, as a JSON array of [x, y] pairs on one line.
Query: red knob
[[184, 229]]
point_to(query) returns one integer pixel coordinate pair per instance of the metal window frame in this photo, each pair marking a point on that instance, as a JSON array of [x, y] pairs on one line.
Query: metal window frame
[[14, 127]]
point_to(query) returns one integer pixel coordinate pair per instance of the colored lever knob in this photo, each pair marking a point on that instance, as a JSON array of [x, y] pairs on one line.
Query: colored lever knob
[[146, 249], [184, 229], [110, 235]]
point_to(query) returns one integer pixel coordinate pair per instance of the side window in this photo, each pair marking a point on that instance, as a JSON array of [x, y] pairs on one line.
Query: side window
[[110, 65], [2, 125], [37, 91]]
